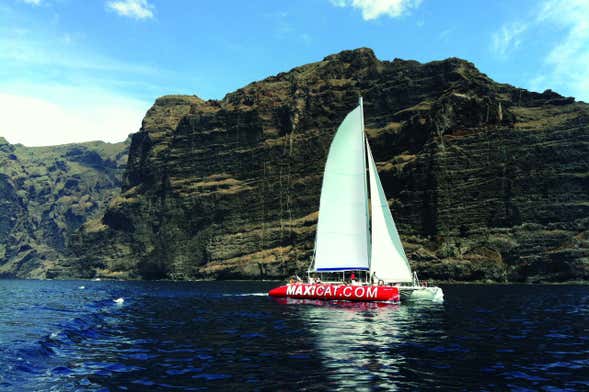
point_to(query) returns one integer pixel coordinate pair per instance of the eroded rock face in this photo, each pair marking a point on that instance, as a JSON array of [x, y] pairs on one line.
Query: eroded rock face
[[46, 193], [486, 181]]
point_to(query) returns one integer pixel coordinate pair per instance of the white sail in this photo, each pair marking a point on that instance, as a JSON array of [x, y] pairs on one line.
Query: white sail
[[388, 260], [342, 229]]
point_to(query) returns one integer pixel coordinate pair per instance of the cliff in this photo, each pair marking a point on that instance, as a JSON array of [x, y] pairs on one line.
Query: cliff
[[486, 181], [46, 193]]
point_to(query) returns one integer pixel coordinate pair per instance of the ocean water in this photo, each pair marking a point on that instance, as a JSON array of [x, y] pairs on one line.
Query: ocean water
[[58, 336]]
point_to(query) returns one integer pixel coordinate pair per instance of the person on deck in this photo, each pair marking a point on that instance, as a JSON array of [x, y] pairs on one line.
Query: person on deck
[[353, 278]]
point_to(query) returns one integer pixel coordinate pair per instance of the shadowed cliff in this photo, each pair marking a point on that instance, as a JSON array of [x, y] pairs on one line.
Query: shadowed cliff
[[485, 181], [46, 193]]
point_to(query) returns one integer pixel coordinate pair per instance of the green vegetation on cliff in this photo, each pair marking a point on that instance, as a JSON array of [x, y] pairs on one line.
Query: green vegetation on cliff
[[486, 181]]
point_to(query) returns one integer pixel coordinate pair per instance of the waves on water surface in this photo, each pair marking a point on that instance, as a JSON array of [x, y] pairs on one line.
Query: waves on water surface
[[207, 335]]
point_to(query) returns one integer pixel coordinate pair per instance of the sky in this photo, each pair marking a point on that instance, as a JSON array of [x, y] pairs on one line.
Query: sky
[[80, 70]]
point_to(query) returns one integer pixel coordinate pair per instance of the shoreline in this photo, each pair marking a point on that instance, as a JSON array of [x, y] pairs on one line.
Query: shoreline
[[432, 282]]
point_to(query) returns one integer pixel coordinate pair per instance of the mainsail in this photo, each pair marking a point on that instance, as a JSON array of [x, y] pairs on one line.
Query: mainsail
[[388, 260], [343, 241], [342, 229]]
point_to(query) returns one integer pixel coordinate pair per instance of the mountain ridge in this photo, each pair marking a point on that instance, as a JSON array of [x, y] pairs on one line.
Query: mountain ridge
[[486, 181], [47, 193]]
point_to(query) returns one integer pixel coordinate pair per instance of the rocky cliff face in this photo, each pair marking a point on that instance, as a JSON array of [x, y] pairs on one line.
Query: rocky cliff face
[[486, 181], [46, 193]]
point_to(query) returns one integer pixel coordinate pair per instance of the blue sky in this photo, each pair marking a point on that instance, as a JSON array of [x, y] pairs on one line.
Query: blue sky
[[77, 70]]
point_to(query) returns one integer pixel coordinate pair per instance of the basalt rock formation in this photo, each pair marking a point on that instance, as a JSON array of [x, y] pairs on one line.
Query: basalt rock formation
[[46, 193], [485, 180]]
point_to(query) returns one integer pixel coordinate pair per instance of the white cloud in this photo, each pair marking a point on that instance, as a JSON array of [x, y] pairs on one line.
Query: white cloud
[[137, 9], [284, 28], [445, 34], [374, 9], [567, 63], [508, 38], [32, 2], [23, 48], [71, 114], [306, 38], [565, 67]]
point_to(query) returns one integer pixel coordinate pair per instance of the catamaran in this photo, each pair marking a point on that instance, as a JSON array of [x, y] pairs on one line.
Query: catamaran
[[356, 233]]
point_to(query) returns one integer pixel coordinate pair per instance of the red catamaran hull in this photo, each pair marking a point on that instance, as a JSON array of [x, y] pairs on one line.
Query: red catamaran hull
[[342, 292]]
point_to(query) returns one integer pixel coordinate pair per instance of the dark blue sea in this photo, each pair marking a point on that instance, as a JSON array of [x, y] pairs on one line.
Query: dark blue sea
[[58, 336]]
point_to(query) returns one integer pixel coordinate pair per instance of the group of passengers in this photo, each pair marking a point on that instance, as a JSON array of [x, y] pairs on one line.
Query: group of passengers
[[352, 279]]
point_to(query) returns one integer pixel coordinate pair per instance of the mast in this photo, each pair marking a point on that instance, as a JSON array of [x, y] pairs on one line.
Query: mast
[[361, 103], [364, 155]]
